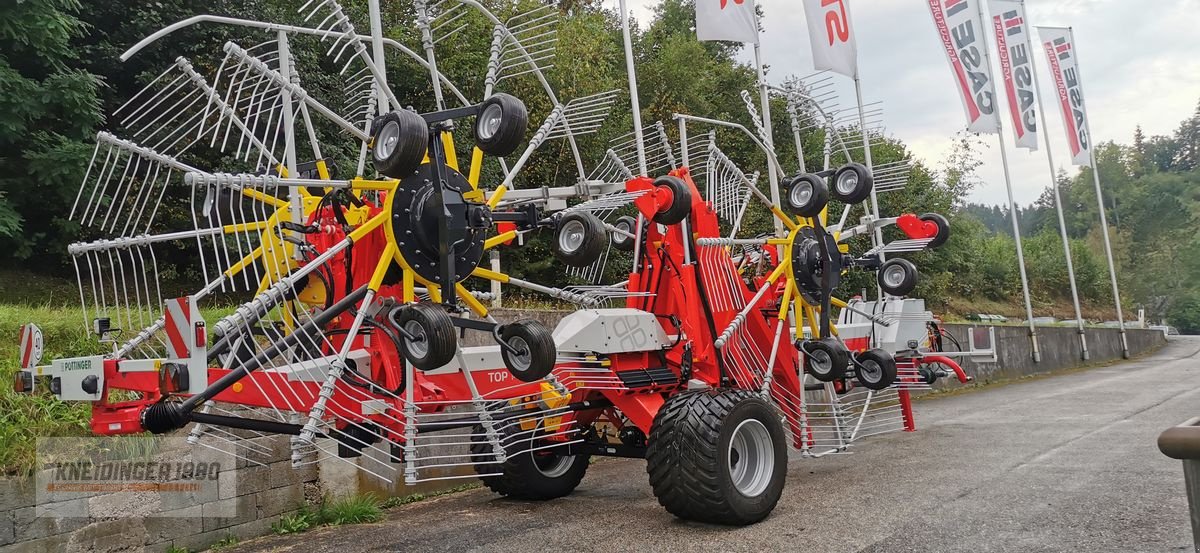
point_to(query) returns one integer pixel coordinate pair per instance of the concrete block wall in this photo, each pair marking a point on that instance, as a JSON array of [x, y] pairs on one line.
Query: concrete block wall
[[261, 494], [1059, 345], [1060, 348]]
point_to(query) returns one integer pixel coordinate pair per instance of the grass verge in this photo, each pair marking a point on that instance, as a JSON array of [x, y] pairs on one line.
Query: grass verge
[[26, 417]]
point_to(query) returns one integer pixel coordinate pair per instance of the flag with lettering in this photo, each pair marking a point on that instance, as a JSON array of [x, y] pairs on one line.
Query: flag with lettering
[[1013, 43], [1059, 44], [960, 26], [832, 38], [731, 20]]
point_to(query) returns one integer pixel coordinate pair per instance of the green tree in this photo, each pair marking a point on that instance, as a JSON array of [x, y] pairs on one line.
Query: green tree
[[48, 112]]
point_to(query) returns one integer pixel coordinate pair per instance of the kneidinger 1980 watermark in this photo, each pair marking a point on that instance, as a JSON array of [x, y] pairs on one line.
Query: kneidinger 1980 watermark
[[133, 476]]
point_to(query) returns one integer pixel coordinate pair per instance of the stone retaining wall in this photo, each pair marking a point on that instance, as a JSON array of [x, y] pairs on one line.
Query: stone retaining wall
[[258, 495]]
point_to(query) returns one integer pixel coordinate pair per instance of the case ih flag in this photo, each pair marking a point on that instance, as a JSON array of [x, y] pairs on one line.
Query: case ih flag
[[963, 36], [1059, 44], [732, 20], [1016, 68], [833, 44]]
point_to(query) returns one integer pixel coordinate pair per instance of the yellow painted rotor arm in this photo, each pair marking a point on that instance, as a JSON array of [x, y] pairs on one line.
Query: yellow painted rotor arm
[[366, 228], [789, 289], [499, 239], [472, 302], [381, 268], [490, 275]]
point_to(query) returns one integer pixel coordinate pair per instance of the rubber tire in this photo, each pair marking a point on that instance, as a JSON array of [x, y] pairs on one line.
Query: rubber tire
[[816, 202], [943, 225], [514, 120], [594, 238], [411, 145], [519, 476], [441, 340], [620, 241], [861, 192], [688, 461], [910, 277], [681, 201], [838, 355], [887, 365], [540, 343]]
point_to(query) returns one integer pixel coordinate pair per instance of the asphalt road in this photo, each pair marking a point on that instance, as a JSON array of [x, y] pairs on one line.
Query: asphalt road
[[1066, 463]]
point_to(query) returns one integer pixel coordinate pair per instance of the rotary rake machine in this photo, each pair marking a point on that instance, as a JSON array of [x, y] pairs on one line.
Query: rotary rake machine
[[350, 342]]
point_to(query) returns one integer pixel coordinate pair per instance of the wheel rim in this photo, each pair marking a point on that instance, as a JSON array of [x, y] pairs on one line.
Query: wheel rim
[[820, 362], [847, 182], [418, 346], [571, 237], [870, 371], [623, 226], [386, 140], [894, 276], [801, 194], [751, 458], [553, 466], [489, 122], [522, 358]]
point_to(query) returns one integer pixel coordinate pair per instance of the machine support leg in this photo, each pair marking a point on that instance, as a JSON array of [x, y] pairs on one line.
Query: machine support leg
[[910, 425]]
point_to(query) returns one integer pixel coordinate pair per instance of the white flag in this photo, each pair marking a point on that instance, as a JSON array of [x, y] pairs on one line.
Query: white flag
[[963, 36], [1016, 67], [1059, 44], [833, 44], [731, 20]]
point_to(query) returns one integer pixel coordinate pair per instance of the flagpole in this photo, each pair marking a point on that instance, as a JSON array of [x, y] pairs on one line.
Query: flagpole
[[769, 139], [1012, 207], [1112, 268], [1062, 223]]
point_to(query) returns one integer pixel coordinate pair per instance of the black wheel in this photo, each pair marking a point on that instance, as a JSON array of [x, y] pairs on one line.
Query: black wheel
[[579, 239], [620, 241], [807, 195], [875, 369], [500, 125], [825, 359], [852, 183], [535, 352], [681, 200], [398, 144], [898, 277], [943, 229], [525, 474], [717, 456], [433, 343]]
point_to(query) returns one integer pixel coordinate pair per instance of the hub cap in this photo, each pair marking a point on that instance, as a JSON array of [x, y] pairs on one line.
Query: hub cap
[[894, 276], [870, 371], [570, 238], [553, 466], [385, 141], [522, 358], [801, 194], [751, 458], [820, 361], [847, 182], [489, 122], [419, 345]]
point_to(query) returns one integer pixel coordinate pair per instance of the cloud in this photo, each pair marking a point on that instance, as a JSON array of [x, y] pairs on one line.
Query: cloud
[[1140, 62]]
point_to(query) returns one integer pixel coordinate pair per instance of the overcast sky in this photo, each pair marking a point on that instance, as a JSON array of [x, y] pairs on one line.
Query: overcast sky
[[1140, 61]]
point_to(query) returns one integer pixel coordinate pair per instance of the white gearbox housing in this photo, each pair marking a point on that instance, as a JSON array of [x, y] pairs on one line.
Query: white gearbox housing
[[605, 331]]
